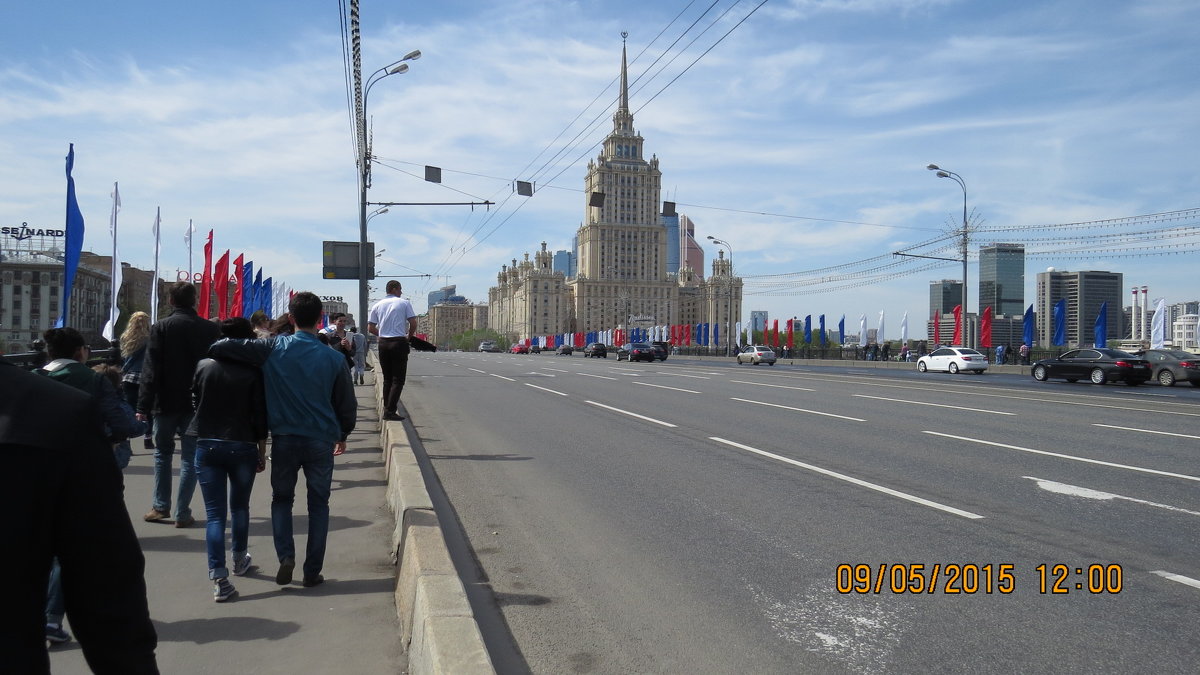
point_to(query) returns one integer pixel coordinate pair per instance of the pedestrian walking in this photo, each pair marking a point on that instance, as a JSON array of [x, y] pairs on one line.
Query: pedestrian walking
[[311, 410], [393, 320], [1024, 352], [133, 352], [1000, 355], [66, 504], [230, 428], [360, 355], [339, 337], [175, 345]]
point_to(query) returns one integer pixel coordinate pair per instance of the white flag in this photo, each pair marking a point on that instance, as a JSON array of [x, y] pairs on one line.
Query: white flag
[[862, 331], [187, 236], [738, 332], [114, 312], [879, 332], [154, 279], [1158, 324], [904, 330]]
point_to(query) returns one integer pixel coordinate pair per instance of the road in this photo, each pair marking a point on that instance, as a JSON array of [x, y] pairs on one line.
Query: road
[[691, 516]]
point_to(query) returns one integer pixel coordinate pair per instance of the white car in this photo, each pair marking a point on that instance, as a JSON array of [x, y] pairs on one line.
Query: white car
[[756, 354], [952, 360]]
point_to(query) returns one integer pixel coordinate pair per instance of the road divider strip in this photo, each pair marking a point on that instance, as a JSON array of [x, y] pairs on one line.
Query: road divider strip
[[632, 414], [776, 386], [502, 377], [695, 377], [850, 479], [663, 386], [935, 405], [602, 377], [803, 410], [1062, 456], [1145, 431], [1179, 578], [545, 389]]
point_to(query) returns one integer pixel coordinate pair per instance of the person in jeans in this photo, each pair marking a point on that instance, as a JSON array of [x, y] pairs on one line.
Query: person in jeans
[[133, 352], [230, 427], [393, 320], [176, 344], [310, 411]]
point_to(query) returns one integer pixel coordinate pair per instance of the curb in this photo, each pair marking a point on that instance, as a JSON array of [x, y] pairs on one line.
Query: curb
[[438, 630]]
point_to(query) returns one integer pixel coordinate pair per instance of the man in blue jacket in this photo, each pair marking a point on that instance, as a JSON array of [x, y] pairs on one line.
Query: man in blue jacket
[[311, 410]]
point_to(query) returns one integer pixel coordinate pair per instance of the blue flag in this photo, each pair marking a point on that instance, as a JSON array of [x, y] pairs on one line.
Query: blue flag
[[1101, 328], [821, 328], [1060, 323], [808, 329], [1028, 327], [264, 297], [247, 284], [716, 333], [74, 240], [842, 329], [257, 292]]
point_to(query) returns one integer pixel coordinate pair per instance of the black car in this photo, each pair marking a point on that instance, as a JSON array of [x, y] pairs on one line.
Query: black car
[[595, 349], [1097, 364], [564, 350], [661, 349], [637, 351], [1173, 365]]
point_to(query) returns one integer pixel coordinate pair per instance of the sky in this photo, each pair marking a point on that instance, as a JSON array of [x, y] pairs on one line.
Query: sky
[[797, 130]]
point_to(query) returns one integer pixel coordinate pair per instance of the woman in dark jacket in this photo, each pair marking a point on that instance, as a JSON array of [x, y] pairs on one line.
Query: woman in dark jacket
[[133, 351], [230, 426]]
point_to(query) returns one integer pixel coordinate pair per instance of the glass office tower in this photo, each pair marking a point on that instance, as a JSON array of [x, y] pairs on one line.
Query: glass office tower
[[1002, 278]]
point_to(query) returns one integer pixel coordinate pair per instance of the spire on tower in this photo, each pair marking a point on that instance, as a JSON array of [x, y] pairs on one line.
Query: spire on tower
[[624, 76]]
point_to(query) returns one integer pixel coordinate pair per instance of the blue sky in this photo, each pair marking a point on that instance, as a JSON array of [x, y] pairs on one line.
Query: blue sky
[[801, 137]]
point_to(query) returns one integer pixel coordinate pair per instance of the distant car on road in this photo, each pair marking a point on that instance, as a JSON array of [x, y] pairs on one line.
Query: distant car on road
[[595, 349], [1173, 365], [1097, 364], [519, 349], [637, 351], [488, 346], [535, 349], [952, 360], [661, 349], [564, 350], [756, 354]]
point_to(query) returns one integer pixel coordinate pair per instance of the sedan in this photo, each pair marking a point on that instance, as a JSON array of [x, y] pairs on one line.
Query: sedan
[[756, 354], [595, 349], [952, 360], [519, 349], [637, 351], [564, 350], [1173, 365], [1097, 364]]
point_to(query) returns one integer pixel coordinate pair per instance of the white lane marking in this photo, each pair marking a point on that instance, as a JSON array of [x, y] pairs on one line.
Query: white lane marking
[[935, 405], [661, 386], [502, 377], [632, 414], [788, 407], [481, 372], [545, 389], [602, 377], [777, 386], [1145, 431], [1062, 456], [557, 370], [664, 372], [851, 479], [1187, 581], [537, 374], [1088, 493]]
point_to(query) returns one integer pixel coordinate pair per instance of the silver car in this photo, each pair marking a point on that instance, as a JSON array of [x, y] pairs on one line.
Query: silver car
[[756, 354]]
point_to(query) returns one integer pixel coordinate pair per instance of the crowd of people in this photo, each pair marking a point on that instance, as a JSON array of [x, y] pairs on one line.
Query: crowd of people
[[219, 389]]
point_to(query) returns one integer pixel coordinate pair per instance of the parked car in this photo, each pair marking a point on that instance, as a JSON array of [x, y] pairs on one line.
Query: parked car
[[519, 349], [756, 354], [636, 351], [952, 360], [595, 349], [661, 349], [1173, 365], [1098, 364], [535, 349], [488, 346], [564, 350]]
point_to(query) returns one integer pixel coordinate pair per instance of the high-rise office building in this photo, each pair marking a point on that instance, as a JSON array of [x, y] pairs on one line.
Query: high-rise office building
[[1085, 292], [691, 255], [944, 296], [1002, 278], [441, 295], [564, 261]]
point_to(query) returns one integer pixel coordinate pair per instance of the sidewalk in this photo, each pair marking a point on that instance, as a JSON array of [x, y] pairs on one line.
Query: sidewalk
[[346, 625]]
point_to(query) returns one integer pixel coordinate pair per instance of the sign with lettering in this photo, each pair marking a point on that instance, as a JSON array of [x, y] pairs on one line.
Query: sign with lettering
[[24, 231]]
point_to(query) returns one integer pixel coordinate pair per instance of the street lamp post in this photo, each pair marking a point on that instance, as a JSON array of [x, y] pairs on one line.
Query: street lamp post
[[364, 177], [729, 300], [942, 173]]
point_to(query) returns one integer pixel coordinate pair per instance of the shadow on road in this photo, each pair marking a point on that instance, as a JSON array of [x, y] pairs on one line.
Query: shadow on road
[[231, 628]]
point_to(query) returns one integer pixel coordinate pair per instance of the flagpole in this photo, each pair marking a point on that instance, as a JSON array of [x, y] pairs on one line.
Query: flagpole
[[110, 328], [191, 230], [154, 279]]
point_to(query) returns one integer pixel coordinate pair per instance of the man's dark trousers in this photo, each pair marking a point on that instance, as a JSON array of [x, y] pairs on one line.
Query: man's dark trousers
[[393, 360]]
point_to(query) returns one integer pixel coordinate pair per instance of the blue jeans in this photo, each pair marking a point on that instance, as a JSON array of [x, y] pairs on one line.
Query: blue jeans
[[220, 464], [290, 454], [54, 595], [166, 426]]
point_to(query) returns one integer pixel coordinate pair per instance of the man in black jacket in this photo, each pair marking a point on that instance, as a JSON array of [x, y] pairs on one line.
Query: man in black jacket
[[176, 345], [66, 502]]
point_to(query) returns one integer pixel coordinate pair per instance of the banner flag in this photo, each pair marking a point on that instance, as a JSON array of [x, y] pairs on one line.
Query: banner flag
[[268, 299], [1100, 332], [879, 339], [862, 331], [1027, 327], [114, 312], [958, 327], [937, 329], [206, 279], [1158, 325], [187, 239], [737, 331], [791, 333], [238, 294], [904, 330], [154, 279], [775, 333], [985, 328], [247, 283], [808, 329], [74, 240], [842, 329], [716, 333], [821, 328], [1060, 323], [221, 286]]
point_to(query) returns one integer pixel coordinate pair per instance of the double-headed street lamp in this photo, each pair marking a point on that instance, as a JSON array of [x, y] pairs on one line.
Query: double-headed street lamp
[[364, 177], [729, 288]]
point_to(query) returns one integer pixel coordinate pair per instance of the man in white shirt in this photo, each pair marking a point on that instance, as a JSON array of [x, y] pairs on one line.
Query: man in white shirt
[[393, 320]]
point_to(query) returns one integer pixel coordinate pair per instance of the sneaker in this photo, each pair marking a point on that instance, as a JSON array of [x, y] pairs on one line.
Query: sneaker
[[56, 634], [284, 577], [392, 417], [223, 590], [148, 443], [241, 565], [154, 516], [317, 580], [185, 521]]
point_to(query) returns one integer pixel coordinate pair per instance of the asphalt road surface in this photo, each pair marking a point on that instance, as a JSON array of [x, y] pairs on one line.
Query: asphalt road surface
[[701, 517]]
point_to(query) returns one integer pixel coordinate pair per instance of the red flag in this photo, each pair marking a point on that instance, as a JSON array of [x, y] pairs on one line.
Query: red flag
[[775, 333], [687, 334], [206, 279], [937, 329], [220, 285], [985, 328], [237, 292], [958, 332], [789, 334]]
